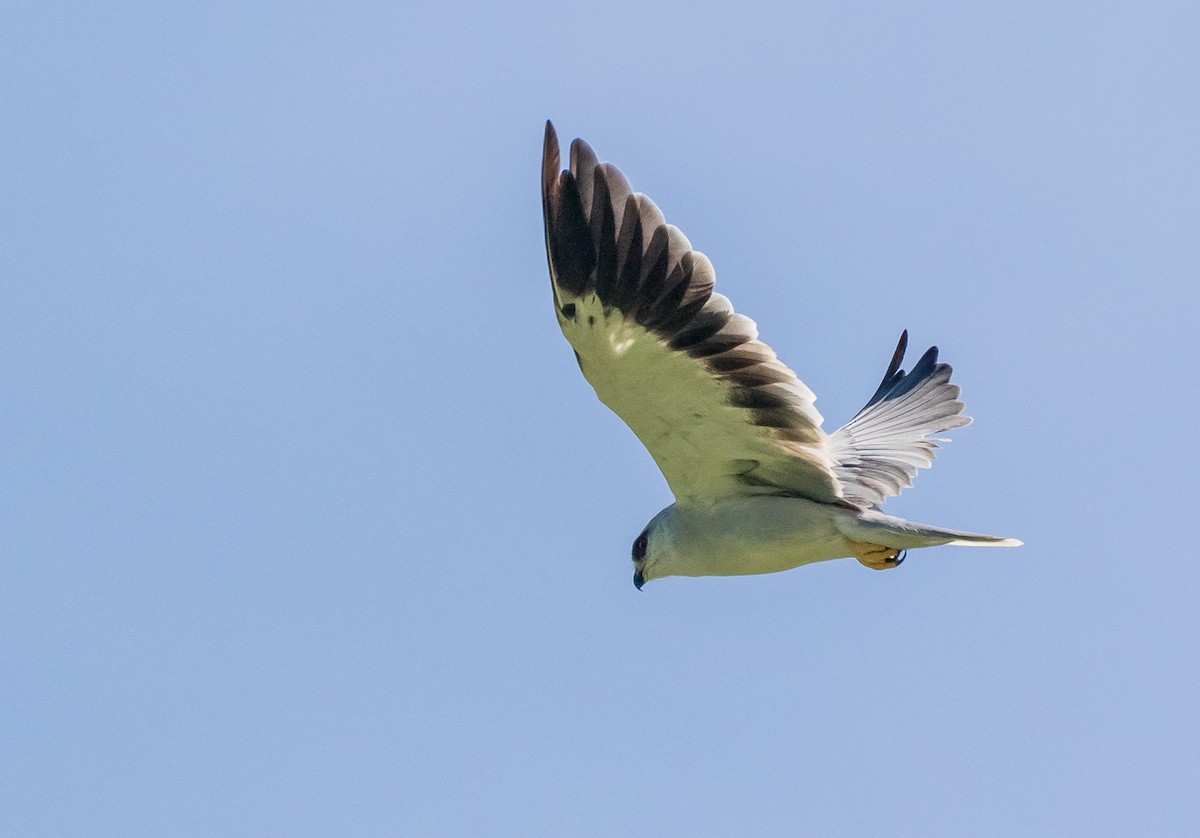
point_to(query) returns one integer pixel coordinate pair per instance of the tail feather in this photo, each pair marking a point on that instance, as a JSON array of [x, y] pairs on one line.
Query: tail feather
[[976, 540], [875, 527], [880, 450]]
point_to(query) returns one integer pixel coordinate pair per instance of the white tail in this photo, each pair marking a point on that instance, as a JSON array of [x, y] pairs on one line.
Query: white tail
[[874, 527]]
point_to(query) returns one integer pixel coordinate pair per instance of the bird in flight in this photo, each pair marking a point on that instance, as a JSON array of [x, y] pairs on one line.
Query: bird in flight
[[759, 486]]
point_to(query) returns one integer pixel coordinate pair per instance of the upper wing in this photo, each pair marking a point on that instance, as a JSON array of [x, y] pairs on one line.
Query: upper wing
[[720, 414]]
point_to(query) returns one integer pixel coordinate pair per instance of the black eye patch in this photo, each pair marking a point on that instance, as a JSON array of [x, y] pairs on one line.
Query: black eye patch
[[640, 545]]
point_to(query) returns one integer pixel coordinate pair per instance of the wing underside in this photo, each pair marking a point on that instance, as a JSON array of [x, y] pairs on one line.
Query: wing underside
[[718, 411], [880, 450]]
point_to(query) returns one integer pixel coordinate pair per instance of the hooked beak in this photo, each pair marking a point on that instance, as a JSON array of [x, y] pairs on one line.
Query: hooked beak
[[639, 579]]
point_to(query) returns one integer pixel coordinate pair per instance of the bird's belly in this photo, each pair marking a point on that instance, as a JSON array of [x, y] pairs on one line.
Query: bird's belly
[[763, 535]]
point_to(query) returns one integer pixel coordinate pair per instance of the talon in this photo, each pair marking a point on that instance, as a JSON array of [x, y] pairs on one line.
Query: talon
[[878, 556]]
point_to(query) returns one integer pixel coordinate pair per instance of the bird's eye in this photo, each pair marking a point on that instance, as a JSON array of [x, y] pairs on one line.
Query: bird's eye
[[639, 546]]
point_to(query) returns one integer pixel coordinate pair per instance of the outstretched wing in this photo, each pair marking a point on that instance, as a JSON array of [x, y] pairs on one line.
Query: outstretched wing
[[720, 414], [880, 449]]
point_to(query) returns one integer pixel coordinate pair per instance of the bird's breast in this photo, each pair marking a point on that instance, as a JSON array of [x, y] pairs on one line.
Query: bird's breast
[[760, 534]]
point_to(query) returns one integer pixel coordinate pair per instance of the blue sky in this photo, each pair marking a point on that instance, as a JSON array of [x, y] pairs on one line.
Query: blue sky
[[310, 526]]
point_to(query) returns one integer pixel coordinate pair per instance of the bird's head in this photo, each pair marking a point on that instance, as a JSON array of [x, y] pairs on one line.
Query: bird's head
[[641, 547], [653, 550]]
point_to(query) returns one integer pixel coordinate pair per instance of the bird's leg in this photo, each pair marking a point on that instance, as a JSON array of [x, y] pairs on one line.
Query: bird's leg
[[876, 556]]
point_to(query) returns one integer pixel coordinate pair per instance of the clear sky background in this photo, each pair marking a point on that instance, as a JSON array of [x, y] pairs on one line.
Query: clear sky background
[[310, 526]]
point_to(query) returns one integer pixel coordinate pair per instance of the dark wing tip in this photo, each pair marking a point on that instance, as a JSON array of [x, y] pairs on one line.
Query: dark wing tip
[[583, 158], [569, 247], [602, 237], [896, 382], [893, 374], [925, 366], [583, 165], [550, 164], [898, 355]]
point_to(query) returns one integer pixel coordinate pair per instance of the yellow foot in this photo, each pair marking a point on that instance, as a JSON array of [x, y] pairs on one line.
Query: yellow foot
[[876, 556]]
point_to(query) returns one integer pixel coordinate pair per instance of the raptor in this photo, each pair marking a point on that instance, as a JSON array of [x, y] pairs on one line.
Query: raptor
[[759, 486]]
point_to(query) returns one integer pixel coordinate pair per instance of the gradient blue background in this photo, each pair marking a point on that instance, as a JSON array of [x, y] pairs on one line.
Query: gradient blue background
[[309, 525]]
